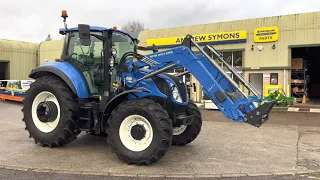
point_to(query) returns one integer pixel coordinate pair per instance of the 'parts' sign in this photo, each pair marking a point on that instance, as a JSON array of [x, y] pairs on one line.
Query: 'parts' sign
[[266, 34], [213, 38]]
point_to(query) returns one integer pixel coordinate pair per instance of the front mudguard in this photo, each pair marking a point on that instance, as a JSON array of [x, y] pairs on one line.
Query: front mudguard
[[119, 98]]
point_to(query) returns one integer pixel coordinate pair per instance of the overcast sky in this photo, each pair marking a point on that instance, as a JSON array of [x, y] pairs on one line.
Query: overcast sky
[[33, 20]]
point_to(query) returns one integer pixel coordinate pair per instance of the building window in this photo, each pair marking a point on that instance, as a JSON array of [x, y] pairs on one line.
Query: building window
[[237, 59], [233, 58], [274, 78], [227, 56]]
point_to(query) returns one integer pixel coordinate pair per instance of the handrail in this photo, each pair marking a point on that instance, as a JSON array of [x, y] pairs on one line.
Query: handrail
[[235, 72], [219, 68]]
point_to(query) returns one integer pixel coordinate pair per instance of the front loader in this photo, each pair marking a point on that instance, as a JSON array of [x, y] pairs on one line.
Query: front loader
[[102, 85]]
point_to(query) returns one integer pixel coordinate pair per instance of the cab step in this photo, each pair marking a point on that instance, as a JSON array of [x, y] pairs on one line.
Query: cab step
[[88, 117]]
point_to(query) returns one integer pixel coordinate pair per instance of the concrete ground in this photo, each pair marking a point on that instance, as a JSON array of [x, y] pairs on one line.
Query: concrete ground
[[289, 143], [31, 175]]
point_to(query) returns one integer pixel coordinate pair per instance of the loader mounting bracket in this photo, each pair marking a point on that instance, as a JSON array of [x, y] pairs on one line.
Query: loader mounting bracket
[[187, 41], [259, 115]]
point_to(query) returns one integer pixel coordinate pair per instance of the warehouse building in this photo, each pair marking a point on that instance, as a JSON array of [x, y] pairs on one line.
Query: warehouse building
[[277, 52], [17, 59], [273, 52]]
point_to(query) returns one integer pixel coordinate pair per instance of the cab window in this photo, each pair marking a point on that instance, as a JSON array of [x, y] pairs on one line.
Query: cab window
[[123, 44]]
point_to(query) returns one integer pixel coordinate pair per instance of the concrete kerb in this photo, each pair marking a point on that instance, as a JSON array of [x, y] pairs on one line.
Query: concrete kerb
[[283, 109], [185, 176], [296, 109]]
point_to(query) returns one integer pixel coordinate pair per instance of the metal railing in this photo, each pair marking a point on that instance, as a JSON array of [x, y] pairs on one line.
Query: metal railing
[[235, 72]]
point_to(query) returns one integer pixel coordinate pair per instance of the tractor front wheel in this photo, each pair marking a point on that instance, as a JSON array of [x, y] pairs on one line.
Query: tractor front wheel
[[49, 112], [185, 134], [139, 131]]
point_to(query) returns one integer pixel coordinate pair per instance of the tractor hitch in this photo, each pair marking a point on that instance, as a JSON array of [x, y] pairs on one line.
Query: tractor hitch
[[259, 115]]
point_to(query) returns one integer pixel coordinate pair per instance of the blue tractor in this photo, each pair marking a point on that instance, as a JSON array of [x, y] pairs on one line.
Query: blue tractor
[[102, 85]]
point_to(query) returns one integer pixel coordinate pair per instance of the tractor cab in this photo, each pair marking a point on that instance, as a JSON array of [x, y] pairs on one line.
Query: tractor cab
[[101, 53]]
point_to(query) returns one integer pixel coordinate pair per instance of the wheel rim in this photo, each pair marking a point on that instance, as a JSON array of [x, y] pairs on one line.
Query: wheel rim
[[136, 133], [179, 130], [45, 111]]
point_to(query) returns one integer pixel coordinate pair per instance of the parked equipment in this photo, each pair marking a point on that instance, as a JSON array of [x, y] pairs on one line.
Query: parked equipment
[[102, 85], [14, 90]]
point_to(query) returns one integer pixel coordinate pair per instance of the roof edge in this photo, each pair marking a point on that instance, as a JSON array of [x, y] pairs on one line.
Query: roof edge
[[229, 21]]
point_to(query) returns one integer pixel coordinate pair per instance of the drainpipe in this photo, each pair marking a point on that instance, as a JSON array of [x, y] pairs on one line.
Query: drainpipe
[[285, 81]]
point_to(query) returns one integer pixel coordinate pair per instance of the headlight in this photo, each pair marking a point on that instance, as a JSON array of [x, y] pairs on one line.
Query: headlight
[[176, 95]]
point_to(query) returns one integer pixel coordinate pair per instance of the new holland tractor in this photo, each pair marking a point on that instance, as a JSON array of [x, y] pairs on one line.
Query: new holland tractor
[[102, 85]]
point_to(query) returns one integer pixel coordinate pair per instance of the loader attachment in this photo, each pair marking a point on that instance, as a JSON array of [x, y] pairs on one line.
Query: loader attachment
[[224, 92], [259, 115], [240, 106]]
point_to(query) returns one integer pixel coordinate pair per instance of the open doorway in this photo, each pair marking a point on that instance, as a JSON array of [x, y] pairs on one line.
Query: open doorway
[[305, 75], [4, 73], [4, 70]]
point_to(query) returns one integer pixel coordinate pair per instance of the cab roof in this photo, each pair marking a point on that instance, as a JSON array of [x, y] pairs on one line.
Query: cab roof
[[94, 28]]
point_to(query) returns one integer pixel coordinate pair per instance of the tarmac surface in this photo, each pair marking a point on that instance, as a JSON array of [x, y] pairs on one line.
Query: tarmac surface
[[286, 146], [30, 175]]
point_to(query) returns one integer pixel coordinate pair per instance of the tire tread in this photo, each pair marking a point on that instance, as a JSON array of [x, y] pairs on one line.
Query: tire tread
[[164, 121], [192, 132]]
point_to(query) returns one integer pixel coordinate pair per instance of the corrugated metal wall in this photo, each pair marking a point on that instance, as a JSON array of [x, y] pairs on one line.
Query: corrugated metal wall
[[297, 29], [294, 30], [50, 51], [22, 57]]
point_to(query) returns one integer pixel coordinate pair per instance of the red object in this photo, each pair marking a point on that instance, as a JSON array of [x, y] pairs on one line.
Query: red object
[[115, 27], [11, 98], [64, 12]]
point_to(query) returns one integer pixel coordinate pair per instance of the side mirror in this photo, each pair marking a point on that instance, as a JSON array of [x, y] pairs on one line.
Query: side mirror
[[84, 34]]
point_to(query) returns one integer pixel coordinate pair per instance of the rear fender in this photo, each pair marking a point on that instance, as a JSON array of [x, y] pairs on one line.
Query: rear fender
[[67, 73]]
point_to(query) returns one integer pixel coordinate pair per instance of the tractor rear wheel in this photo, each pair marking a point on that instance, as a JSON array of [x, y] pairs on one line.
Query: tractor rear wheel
[[186, 134], [139, 131], [49, 112]]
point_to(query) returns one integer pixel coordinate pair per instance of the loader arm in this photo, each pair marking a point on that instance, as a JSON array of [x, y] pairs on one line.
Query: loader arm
[[222, 90]]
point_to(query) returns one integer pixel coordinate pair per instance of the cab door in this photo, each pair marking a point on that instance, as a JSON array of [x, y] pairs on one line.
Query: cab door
[[88, 60], [122, 43]]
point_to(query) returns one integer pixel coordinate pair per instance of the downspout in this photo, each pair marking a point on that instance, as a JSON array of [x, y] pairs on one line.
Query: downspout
[[285, 81]]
